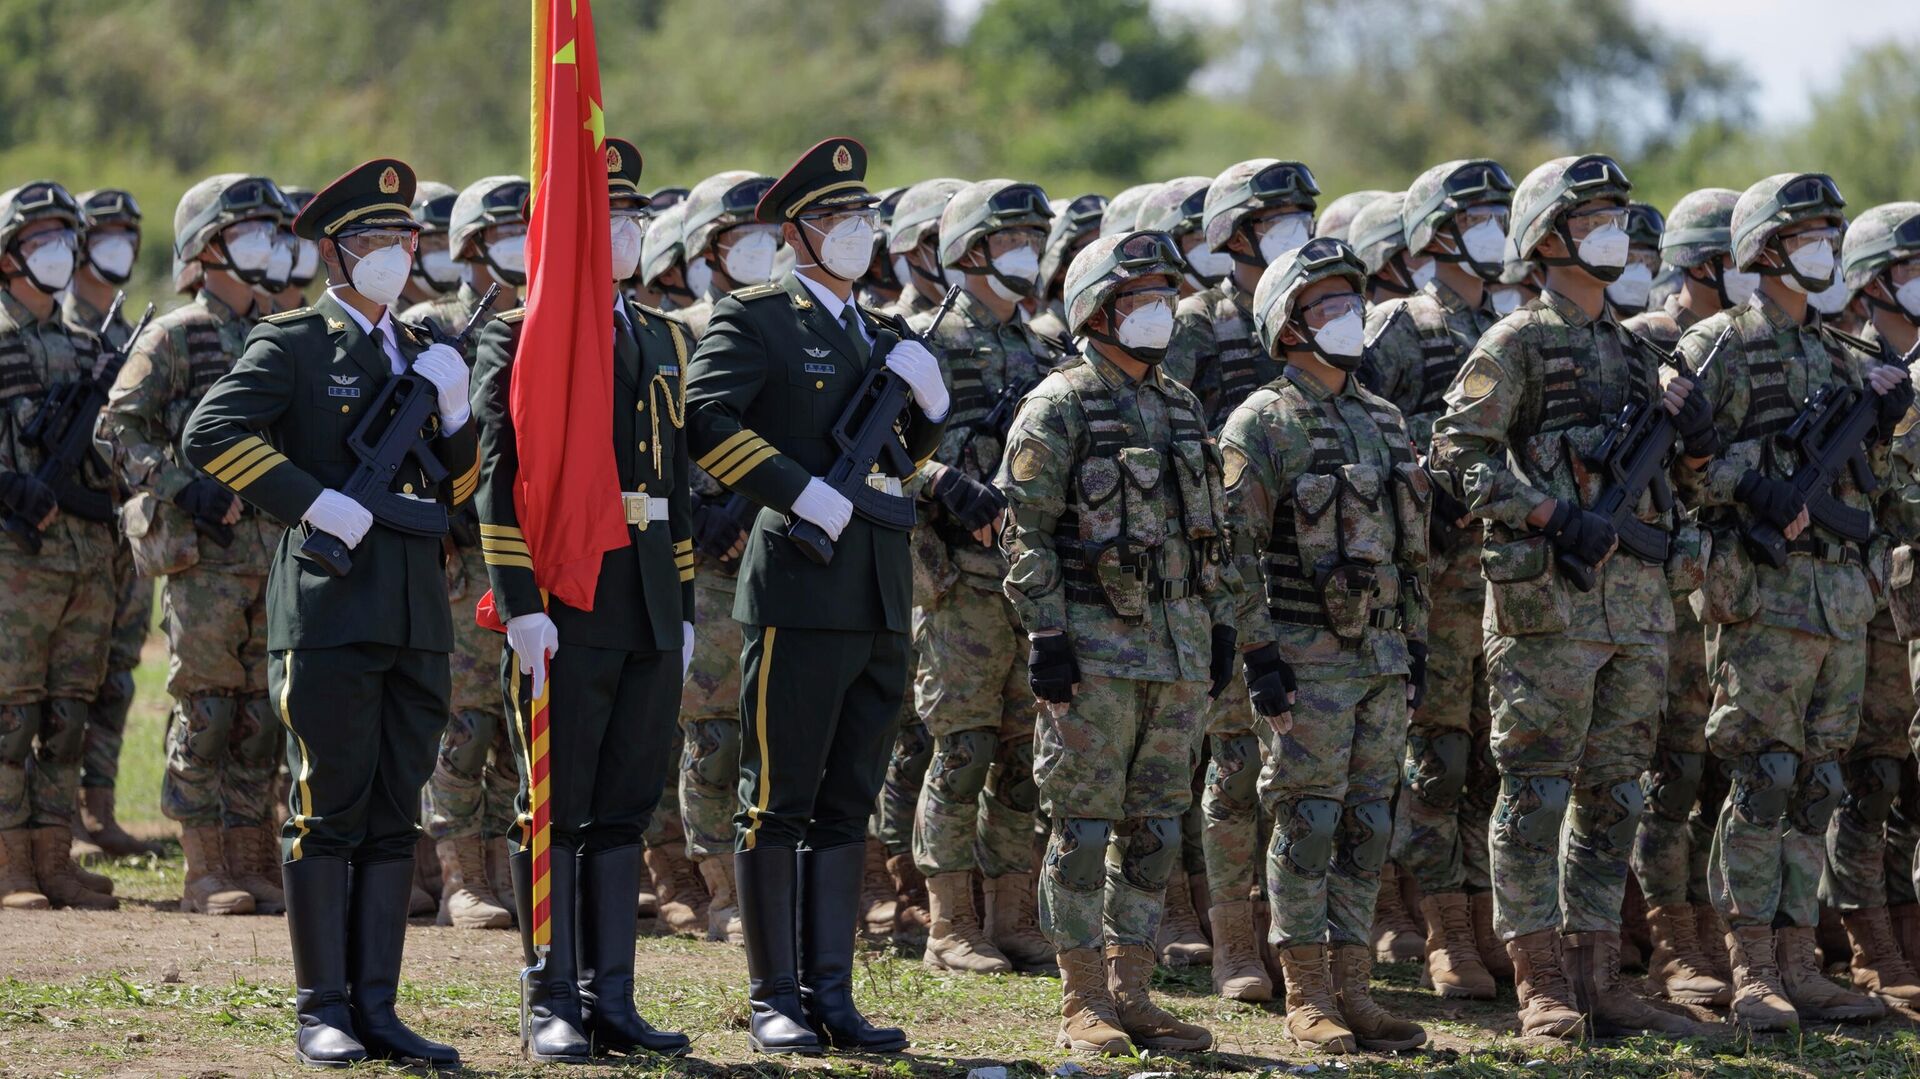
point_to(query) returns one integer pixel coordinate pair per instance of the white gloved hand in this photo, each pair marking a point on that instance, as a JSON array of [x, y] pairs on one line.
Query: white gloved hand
[[534, 640], [913, 363], [824, 506], [686, 649], [443, 366], [339, 516]]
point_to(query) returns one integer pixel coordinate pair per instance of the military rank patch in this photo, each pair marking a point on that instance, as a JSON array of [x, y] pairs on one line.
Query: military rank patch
[[1477, 384], [343, 391], [1233, 463], [818, 368], [1907, 421], [1028, 459]]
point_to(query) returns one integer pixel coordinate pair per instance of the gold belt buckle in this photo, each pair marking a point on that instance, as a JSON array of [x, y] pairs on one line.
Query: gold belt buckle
[[636, 507]]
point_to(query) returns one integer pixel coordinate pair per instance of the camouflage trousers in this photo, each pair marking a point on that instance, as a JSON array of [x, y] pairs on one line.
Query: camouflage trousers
[[1114, 772], [1684, 786], [1572, 732], [107, 722], [1328, 784], [224, 743], [59, 628], [475, 779], [977, 805], [710, 726], [1230, 815], [1863, 834], [1786, 707], [899, 798], [1450, 782]]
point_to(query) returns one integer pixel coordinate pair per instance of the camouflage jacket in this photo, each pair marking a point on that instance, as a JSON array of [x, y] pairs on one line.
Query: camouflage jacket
[[452, 311], [80, 315], [35, 357], [1664, 325], [913, 307], [1214, 351], [1414, 348], [1108, 482], [1758, 386], [1526, 411], [1317, 480]]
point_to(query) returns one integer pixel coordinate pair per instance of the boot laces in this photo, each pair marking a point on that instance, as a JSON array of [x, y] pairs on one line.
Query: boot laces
[[1885, 949]]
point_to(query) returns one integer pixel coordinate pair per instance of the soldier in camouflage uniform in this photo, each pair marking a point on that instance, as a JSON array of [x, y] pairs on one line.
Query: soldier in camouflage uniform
[[1683, 788], [1630, 291], [913, 244], [1330, 531], [60, 596], [1075, 225], [880, 288], [1519, 282], [663, 271], [1377, 236], [1879, 256], [1786, 644], [435, 274], [1336, 217], [1577, 677], [1175, 208], [976, 808], [224, 741], [1117, 571], [723, 247], [1454, 214], [1123, 210]]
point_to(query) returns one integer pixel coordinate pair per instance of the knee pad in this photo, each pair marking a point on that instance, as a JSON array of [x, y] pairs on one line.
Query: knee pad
[[258, 734], [117, 689], [464, 746], [1152, 849], [1872, 784], [1437, 765], [1531, 809], [1762, 785], [1233, 775], [1011, 781], [1605, 817], [1078, 857], [1305, 837], [712, 754], [912, 747], [209, 723], [1365, 836], [960, 762], [1672, 785], [1815, 797], [19, 723], [63, 736]]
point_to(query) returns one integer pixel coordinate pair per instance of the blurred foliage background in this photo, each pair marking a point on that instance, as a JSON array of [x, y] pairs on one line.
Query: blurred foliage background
[[1086, 95]]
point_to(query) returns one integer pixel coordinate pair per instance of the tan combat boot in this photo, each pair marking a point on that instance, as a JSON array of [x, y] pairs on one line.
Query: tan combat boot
[[1181, 943], [1593, 965], [1313, 1016], [1878, 966], [683, 899], [1374, 1028], [1396, 937], [1709, 927], [97, 817], [84, 848], [1013, 922], [209, 888], [1148, 1025], [910, 915], [1678, 968], [1089, 1018], [500, 872], [53, 867], [18, 890], [876, 891], [1759, 999], [954, 939], [1540, 983], [723, 903], [1813, 994], [466, 897], [1493, 954], [1238, 973], [1453, 957], [253, 861]]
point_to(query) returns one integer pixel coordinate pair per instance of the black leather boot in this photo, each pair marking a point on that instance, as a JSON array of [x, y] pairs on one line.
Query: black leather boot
[[609, 880], [552, 1030], [829, 910], [317, 921], [376, 940], [764, 878]]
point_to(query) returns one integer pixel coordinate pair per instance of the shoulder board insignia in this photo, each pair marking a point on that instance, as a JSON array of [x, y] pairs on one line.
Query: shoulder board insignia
[[1477, 384], [655, 312], [756, 292], [512, 316], [284, 317]]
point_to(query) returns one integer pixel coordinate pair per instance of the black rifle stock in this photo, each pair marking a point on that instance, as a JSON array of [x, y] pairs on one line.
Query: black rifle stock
[[1831, 433]]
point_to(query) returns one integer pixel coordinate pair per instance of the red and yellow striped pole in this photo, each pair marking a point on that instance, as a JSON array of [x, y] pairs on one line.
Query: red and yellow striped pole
[[540, 805]]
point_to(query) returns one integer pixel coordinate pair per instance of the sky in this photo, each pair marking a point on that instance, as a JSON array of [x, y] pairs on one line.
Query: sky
[[1790, 55]]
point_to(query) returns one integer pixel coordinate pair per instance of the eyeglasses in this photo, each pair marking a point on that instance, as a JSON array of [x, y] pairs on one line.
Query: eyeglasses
[[1596, 171], [1809, 191], [52, 237], [368, 241], [1479, 178], [1330, 307], [1018, 201], [742, 197], [1282, 180], [1827, 235], [1133, 299], [112, 203], [1585, 222], [1147, 249], [1495, 212]]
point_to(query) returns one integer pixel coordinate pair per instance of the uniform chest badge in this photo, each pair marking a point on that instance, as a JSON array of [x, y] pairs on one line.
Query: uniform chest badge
[[1476, 385], [334, 325], [819, 368], [801, 303], [817, 353], [1028, 459]]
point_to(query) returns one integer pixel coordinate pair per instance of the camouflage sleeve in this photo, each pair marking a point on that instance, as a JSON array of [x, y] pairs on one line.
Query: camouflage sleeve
[[1713, 485], [1898, 510], [1393, 359], [1484, 405], [1189, 359], [1416, 605], [1034, 475], [132, 431], [1253, 477]]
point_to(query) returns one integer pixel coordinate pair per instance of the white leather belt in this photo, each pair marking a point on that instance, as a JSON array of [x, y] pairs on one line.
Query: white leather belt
[[889, 485], [642, 507]]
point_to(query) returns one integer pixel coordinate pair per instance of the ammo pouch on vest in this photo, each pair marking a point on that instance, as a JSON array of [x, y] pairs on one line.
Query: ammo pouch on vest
[[161, 535], [1345, 524]]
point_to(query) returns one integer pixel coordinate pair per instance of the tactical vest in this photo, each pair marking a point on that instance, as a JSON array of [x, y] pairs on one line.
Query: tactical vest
[[25, 379], [1141, 528], [1442, 353]]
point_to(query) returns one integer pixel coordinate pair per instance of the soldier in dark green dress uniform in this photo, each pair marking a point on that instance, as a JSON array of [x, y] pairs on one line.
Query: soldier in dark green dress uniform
[[824, 669], [616, 669], [357, 664]]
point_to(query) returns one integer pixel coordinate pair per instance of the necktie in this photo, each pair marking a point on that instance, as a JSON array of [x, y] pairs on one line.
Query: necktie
[[850, 321]]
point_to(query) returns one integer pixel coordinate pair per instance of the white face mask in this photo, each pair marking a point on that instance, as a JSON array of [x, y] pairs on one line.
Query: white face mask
[[1831, 300], [627, 239], [438, 267], [280, 265], [1148, 329], [1631, 287], [1208, 263], [846, 251], [1343, 338], [51, 266], [1018, 267], [306, 262], [112, 256], [1289, 232], [903, 272], [1811, 263], [699, 277], [1605, 248], [381, 276], [250, 252], [1739, 285], [1484, 242], [510, 254], [1506, 301], [1420, 272], [749, 260], [1908, 297]]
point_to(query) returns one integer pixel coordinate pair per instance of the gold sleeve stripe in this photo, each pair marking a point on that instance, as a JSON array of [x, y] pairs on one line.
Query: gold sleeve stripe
[[463, 491], [503, 546], [686, 575], [734, 474], [513, 561], [746, 449], [683, 545], [239, 465], [233, 453], [502, 531], [724, 448], [266, 465], [470, 478]]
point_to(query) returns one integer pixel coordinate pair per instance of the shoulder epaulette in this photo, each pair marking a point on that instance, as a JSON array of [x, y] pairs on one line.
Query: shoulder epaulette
[[655, 312], [286, 318], [511, 317], [757, 292]]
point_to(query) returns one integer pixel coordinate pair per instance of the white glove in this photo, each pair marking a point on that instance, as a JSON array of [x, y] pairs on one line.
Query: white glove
[[912, 362], [443, 366], [534, 640], [686, 649], [824, 506], [337, 515]]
